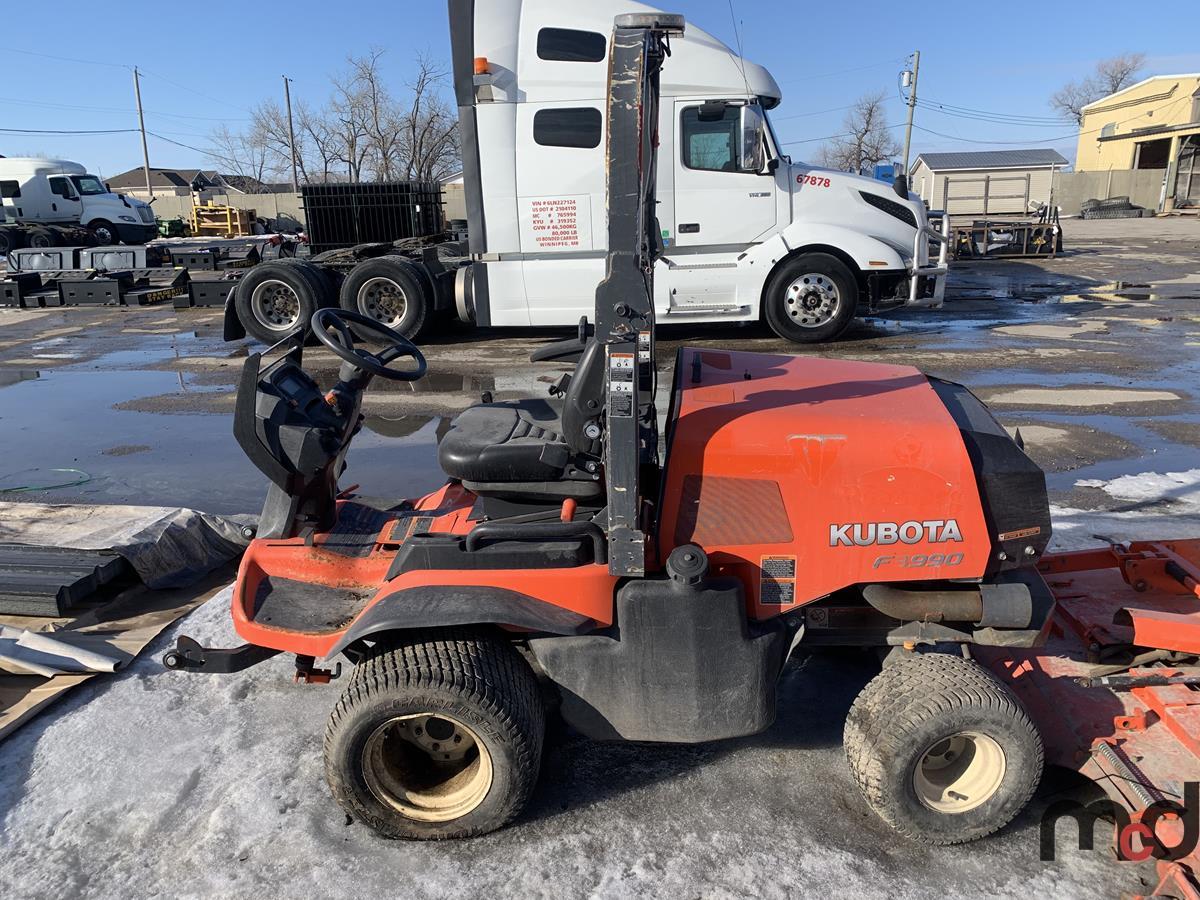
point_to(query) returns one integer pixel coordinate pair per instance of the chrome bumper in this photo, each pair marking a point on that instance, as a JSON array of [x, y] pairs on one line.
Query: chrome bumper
[[936, 272]]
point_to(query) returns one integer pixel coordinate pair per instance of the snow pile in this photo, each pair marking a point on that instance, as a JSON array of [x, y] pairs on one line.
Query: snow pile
[[1157, 506], [1180, 489]]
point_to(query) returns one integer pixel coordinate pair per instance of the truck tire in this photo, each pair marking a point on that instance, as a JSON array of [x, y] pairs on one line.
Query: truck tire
[[811, 298], [41, 238], [389, 289], [941, 750], [388, 767], [10, 239], [104, 233], [277, 298]]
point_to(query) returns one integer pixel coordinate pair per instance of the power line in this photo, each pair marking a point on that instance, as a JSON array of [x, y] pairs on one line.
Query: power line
[[830, 137], [184, 87], [60, 131], [986, 112], [875, 65], [815, 113], [86, 62], [998, 121], [46, 104]]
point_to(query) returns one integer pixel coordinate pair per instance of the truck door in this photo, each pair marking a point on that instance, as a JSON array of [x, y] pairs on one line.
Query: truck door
[[724, 195], [64, 200]]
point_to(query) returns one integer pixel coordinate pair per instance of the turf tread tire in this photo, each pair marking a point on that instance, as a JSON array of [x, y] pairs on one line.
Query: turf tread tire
[[470, 668], [883, 733]]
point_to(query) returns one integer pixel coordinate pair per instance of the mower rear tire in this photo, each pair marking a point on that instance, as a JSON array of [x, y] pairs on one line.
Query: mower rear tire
[[941, 750], [439, 737]]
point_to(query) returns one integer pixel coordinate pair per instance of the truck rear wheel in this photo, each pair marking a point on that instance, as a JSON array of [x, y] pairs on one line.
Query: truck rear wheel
[[388, 289], [276, 298], [941, 750], [811, 298], [41, 238], [10, 239], [440, 737]]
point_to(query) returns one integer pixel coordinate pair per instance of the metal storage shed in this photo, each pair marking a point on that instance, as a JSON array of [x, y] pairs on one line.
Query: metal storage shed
[[986, 183]]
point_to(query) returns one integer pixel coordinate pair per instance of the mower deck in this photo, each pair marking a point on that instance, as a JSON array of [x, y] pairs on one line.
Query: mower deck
[[1141, 743]]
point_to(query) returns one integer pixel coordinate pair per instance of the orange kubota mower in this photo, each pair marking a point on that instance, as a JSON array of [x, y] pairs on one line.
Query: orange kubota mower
[[799, 501]]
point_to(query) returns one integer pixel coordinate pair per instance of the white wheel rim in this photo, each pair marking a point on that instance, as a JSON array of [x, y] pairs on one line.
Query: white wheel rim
[[812, 300], [960, 772], [384, 300], [275, 306], [428, 768]]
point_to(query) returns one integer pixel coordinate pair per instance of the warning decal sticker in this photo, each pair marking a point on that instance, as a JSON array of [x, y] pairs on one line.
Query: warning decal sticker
[[620, 384], [777, 581]]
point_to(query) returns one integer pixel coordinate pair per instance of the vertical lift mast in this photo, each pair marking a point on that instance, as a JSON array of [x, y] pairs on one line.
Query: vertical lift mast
[[625, 298]]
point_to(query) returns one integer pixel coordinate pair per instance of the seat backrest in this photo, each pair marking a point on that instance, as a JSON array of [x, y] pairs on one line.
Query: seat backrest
[[584, 401]]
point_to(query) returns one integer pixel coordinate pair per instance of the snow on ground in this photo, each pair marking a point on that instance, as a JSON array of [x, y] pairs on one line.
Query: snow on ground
[[1157, 506], [181, 785]]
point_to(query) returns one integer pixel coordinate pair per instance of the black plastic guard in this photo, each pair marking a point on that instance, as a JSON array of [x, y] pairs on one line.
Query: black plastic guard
[[683, 665], [1012, 487]]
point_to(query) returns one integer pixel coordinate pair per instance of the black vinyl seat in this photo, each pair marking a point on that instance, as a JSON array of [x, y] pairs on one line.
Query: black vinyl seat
[[519, 440], [532, 449]]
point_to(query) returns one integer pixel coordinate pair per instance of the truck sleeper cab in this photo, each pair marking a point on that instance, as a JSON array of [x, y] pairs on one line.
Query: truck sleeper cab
[[748, 234]]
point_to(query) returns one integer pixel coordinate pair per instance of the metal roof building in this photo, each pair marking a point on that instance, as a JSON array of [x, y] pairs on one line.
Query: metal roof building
[[986, 182]]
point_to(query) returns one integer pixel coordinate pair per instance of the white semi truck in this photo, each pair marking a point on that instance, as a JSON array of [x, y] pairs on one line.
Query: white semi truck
[[44, 203], [749, 234]]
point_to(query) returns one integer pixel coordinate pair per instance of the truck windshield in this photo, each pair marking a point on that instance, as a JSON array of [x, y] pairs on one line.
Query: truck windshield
[[88, 185]]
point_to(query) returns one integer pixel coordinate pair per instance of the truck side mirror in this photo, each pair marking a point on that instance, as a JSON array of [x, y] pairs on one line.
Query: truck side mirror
[[772, 165], [753, 148]]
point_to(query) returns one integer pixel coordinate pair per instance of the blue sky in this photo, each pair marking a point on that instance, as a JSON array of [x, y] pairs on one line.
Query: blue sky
[[207, 64]]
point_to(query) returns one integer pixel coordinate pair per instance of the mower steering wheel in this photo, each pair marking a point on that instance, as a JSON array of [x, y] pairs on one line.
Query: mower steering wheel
[[341, 342]]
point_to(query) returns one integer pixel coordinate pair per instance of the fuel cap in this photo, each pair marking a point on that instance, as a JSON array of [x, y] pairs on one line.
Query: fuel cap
[[687, 565]]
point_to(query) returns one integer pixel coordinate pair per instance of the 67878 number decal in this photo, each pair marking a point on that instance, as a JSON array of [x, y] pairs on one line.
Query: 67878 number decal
[[814, 180]]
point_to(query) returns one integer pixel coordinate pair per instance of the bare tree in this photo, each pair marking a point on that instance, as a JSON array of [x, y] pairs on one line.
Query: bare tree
[[1110, 76], [866, 140], [430, 142], [362, 132], [244, 155]]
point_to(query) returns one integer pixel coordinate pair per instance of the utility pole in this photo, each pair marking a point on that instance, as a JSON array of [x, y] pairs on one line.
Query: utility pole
[[137, 93], [912, 105], [287, 96]]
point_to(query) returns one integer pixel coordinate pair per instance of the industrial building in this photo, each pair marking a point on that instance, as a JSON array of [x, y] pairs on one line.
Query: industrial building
[[988, 182], [1154, 124]]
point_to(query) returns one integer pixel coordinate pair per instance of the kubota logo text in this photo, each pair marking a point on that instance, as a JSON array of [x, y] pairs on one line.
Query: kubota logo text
[[864, 534]]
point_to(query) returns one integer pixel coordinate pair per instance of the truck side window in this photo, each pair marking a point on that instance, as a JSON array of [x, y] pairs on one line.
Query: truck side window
[[569, 45], [62, 187], [711, 144], [575, 127], [10, 189]]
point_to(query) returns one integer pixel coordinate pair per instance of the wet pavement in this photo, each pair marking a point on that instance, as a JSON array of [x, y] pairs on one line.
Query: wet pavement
[[1092, 355]]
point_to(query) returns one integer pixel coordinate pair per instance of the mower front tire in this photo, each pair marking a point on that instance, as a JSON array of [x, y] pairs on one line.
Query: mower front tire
[[941, 750], [439, 737]]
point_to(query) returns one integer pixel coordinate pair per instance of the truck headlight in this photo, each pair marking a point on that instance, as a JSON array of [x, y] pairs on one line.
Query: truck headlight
[[127, 218]]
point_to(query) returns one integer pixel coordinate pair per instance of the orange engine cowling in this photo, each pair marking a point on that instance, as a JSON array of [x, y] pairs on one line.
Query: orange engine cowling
[[803, 476]]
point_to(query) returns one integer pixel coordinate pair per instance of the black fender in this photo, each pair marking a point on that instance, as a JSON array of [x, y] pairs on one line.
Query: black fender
[[443, 605]]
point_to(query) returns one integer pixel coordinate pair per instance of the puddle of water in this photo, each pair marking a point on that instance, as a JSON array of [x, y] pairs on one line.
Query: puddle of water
[[66, 419]]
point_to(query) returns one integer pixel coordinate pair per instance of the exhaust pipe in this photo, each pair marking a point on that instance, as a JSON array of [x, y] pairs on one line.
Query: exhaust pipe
[[987, 606]]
